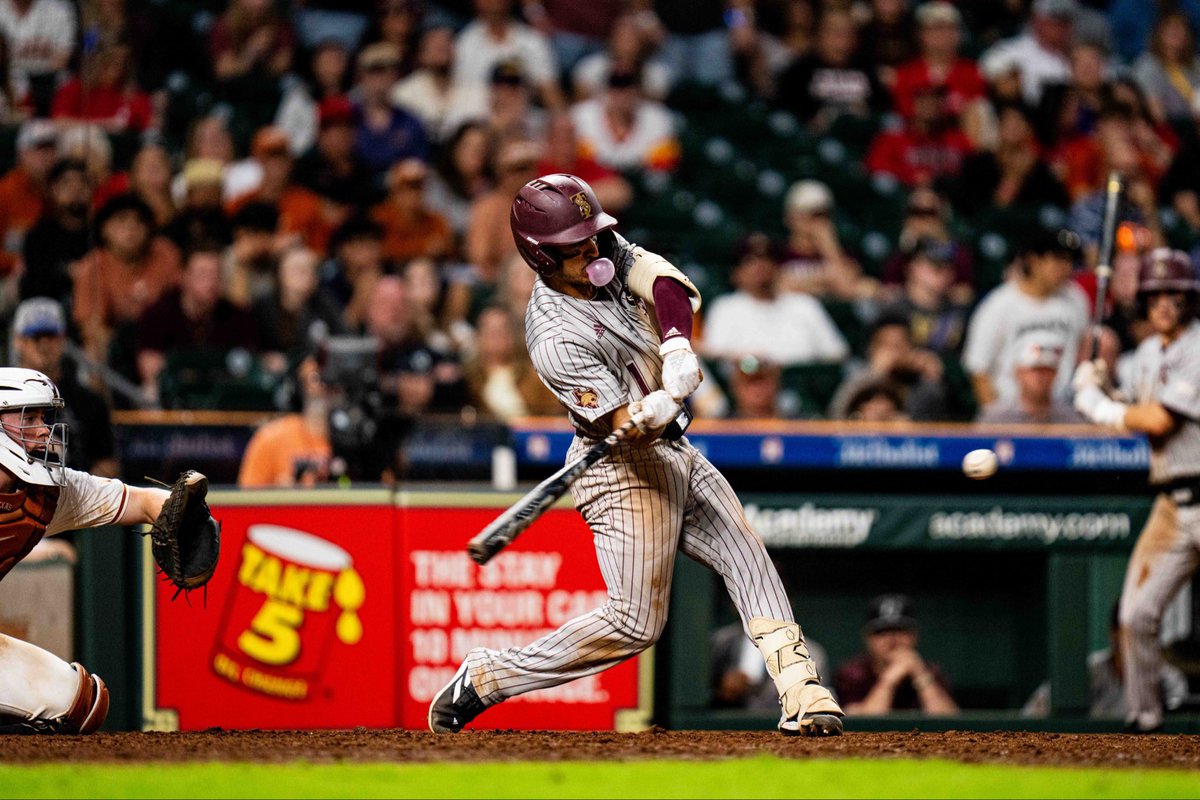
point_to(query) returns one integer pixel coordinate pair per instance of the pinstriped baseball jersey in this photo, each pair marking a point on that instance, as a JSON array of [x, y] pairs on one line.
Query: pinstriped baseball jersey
[[1171, 376], [595, 355], [1168, 548], [643, 503]]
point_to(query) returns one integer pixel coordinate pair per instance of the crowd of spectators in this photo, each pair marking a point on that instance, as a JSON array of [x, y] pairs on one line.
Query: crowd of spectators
[[208, 190]]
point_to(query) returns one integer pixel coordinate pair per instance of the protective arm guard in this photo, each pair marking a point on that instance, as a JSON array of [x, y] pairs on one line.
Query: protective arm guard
[[647, 267]]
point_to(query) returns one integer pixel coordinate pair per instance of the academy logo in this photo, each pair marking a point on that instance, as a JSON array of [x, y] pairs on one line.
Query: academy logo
[[599, 329], [586, 398], [581, 202]]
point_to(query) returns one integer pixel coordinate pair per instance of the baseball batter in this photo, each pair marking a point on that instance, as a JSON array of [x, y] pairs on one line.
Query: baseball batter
[[1165, 405], [608, 329], [39, 692]]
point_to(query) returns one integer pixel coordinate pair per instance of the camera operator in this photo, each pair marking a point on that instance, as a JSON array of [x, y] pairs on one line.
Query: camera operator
[[891, 357], [294, 450]]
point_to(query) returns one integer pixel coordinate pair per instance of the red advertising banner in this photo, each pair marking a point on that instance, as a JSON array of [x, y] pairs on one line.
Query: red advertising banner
[[300, 626], [338, 616], [449, 605]]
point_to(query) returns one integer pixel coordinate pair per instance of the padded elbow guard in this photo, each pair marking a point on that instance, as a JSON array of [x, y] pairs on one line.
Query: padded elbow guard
[[649, 266]]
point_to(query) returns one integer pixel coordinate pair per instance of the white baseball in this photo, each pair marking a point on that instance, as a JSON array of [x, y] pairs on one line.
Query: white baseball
[[980, 464]]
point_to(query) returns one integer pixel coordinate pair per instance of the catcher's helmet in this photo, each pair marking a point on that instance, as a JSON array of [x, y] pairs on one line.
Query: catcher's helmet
[[23, 452], [1167, 270], [552, 211]]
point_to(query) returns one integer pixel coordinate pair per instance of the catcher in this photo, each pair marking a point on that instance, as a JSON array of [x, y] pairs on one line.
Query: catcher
[[39, 692]]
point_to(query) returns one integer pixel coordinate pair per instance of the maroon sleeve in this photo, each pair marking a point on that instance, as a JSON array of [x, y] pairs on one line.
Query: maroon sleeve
[[673, 307]]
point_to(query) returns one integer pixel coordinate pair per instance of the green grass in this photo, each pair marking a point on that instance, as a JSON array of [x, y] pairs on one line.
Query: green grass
[[757, 777]]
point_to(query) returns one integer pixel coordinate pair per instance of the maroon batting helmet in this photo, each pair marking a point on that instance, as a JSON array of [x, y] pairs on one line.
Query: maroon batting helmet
[[1167, 270], [552, 211]]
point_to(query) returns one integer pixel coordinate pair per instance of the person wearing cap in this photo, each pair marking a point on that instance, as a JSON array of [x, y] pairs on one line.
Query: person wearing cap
[[410, 228], [431, 94], [39, 341], [926, 227], [915, 376], [787, 328], [489, 240], [892, 675], [1038, 295], [299, 209], [332, 167], [813, 259], [201, 217], [1010, 174], [928, 149], [625, 130], [829, 82], [937, 320], [493, 36], [23, 188], [415, 377], [754, 384], [123, 276], [60, 237], [385, 133], [1039, 357], [1040, 53], [939, 35], [511, 111]]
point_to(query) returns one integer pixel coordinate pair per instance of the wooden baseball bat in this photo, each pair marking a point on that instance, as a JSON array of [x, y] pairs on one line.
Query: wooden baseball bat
[[521, 514], [1112, 196]]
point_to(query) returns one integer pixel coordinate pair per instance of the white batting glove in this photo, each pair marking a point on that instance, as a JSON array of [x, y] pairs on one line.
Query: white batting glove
[[1090, 373], [1093, 403], [680, 369], [653, 411]]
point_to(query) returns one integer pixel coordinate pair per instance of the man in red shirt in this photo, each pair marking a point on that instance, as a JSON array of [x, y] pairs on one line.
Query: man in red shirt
[[931, 145], [939, 36]]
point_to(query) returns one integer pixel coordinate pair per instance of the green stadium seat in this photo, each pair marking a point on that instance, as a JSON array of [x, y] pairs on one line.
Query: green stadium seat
[[813, 386]]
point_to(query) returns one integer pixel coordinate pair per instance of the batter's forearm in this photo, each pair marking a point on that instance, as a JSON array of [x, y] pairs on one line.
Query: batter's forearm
[[1151, 419]]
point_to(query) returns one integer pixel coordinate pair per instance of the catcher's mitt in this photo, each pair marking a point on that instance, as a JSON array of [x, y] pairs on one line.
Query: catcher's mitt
[[185, 539]]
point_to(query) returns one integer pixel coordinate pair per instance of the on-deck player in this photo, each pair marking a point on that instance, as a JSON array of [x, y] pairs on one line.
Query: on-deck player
[[611, 340], [1165, 405], [39, 692]]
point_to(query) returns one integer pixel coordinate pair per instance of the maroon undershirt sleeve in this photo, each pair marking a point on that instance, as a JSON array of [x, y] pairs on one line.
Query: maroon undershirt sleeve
[[673, 307]]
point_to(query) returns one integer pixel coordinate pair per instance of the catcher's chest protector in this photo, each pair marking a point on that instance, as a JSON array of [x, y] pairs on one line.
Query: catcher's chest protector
[[24, 515]]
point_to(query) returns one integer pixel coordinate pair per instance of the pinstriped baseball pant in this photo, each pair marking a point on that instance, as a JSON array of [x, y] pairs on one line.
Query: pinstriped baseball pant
[[642, 505], [1167, 553]]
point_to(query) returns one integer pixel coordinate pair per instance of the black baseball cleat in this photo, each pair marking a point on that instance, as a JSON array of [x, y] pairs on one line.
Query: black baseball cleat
[[455, 705]]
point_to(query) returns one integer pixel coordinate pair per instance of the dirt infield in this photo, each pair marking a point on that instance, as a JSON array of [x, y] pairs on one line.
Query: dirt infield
[[1178, 752]]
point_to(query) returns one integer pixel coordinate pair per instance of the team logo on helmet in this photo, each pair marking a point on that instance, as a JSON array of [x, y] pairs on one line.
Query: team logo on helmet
[[581, 202], [586, 398]]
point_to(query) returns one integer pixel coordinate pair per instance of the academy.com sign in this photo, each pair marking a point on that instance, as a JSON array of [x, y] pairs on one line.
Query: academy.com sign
[[997, 524], [810, 526], [848, 521]]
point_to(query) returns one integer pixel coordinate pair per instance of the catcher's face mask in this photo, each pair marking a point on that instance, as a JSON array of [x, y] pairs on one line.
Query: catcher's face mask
[[40, 434]]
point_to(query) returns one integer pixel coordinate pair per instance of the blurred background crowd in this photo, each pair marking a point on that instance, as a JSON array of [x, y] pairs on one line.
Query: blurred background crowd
[[892, 207]]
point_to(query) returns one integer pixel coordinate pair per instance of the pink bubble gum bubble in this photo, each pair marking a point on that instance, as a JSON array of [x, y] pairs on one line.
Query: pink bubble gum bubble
[[600, 271]]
